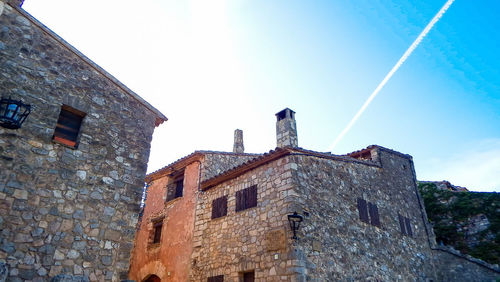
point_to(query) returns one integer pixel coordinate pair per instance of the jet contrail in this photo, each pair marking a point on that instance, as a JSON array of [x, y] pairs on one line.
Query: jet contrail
[[393, 70]]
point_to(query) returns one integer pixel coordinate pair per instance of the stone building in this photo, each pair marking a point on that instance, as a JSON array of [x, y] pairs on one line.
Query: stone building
[[71, 177], [214, 216]]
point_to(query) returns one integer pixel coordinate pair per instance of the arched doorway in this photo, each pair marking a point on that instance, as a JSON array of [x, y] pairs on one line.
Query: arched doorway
[[152, 278]]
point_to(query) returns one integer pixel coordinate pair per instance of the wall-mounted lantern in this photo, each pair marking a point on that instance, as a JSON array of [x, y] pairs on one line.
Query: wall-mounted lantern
[[295, 220], [13, 113]]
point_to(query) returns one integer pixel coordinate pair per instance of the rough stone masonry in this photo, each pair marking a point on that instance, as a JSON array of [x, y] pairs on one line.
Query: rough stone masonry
[[67, 211]]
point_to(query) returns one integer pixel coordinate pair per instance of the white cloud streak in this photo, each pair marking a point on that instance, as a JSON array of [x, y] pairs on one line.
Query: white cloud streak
[[392, 71]]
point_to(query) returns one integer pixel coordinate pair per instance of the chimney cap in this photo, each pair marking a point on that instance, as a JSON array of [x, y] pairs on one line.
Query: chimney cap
[[283, 114]]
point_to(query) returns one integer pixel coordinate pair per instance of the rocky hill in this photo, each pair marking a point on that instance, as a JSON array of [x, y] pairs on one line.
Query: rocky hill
[[467, 221]]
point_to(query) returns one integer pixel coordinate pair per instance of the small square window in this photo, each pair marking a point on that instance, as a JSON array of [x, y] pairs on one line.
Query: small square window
[[68, 126], [246, 198]]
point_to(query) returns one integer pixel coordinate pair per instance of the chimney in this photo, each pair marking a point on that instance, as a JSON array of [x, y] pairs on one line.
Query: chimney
[[238, 141], [286, 129]]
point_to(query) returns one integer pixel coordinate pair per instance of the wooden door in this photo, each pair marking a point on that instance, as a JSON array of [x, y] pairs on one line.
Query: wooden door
[[249, 277]]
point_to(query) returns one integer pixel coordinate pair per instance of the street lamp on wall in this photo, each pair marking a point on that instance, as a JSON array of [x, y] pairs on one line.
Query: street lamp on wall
[[295, 220], [13, 113]]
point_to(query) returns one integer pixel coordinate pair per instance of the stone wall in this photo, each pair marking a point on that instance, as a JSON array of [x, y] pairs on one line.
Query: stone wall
[[334, 244], [218, 162], [256, 239], [453, 266], [65, 210]]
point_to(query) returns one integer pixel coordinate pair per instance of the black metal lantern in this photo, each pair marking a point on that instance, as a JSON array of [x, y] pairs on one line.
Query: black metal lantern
[[13, 113], [295, 220]]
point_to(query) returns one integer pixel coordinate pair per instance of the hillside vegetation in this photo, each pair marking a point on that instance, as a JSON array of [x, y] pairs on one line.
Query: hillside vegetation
[[467, 221]]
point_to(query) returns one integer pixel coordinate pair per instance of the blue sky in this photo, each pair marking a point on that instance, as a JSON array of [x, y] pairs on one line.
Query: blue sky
[[214, 66]]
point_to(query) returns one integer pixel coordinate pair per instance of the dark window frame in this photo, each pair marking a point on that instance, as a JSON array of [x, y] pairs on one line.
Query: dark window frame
[[175, 187], [157, 232], [68, 126], [179, 187], [246, 198]]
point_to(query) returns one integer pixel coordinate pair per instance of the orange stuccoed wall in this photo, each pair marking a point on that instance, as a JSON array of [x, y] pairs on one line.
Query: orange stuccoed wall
[[169, 260]]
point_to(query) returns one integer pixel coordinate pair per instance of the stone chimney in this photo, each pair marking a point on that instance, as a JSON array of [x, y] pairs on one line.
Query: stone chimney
[[238, 141], [286, 129]]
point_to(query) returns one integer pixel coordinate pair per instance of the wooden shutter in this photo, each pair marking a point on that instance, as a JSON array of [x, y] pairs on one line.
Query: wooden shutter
[[219, 207], [402, 224], [215, 209], [239, 201], [246, 198], [375, 219], [223, 206], [251, 197], [408, 227], [363, 212], [218, 278]]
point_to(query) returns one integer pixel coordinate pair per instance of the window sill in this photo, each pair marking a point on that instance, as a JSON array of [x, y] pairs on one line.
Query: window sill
[[153, 247], [65, 142], [223, 216], [172, 201]]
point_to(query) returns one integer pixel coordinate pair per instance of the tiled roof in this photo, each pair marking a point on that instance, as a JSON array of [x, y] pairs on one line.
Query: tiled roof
[[195, 156], [271, 156]]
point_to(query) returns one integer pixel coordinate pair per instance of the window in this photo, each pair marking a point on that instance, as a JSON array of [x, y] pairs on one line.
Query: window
[[246, 198], [219, 207], [176, 186], [179, 186], [157, 226], [68, 126], [218, 278], [405, 225], [367, 208]]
